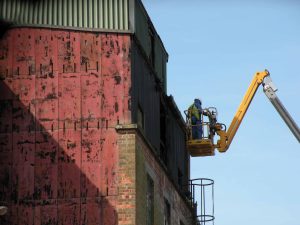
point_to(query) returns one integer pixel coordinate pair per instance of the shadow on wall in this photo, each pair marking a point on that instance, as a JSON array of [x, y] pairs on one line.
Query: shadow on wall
[[57, 154]]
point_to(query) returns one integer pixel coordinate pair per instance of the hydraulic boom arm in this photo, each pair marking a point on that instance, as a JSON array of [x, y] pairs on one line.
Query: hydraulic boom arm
[[227, 137], [206, 147], [269, 90]]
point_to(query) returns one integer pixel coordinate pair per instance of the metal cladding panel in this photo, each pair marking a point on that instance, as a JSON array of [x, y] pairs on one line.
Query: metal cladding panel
[[46, 148], [23, 61], [69, 212], [91, 212], [6, 148], [109, 167], [5, 185], [115, 70], [88, 14], [45, 182], [177, 154], [25, 214], [69, 100], [58, 141], [160, 62], [5, 116], [91, 166], [46, 213], [146, 95], [151, 42], [109, 205], [142, 28]]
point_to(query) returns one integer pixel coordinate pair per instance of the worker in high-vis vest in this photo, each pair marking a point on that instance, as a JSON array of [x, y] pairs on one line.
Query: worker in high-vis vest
[[195, 114]]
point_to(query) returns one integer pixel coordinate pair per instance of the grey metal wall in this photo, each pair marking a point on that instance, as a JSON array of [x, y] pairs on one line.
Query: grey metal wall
[[142, 27], [145, 94], [178, 157], [93, 14]]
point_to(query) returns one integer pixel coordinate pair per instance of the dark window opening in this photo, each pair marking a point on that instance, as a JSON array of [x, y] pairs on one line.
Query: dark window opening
[[140, 118], [167, 216], [163, 136], [180, 179], [152, 44], [150, 201]]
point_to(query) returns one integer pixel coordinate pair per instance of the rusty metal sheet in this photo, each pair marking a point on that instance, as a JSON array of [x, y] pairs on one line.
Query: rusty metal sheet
[[70, 146], [5, 148], [5, 116], [115, 64], [90, 52], [23, 116], [45, 213], [47, 114], [5, 182], [82, 80], [5, 166], [25, 214], [110, 162], [69, 161], [109, 207], [24, 88], [23, 166], [46, 148], [68, 51], [69, 100], [91, 212], [22, 182], [47, 88], [45, 182], [91, 99], [69, 212], [91, 180], [46, 53], [23, 149], [91, 151], [68, 179], [23, 53], [6, 87], [6, 54]]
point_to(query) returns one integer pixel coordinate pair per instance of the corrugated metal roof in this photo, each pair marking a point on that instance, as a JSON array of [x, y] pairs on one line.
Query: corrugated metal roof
[[89, 14]]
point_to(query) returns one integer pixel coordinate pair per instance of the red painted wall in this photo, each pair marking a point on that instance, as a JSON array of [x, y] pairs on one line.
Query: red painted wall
[[61, 95]]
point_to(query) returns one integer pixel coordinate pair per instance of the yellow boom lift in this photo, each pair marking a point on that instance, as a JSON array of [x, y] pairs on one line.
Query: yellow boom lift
[[206, 146]]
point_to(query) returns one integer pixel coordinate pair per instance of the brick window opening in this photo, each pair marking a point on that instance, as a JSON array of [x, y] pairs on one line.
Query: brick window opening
[[167, 213], [152, 44], [180, 178], [163, 137], [140, 118], [150, 201]]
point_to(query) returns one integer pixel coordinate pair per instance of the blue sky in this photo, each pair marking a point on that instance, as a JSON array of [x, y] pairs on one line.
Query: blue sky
[[214, 49]]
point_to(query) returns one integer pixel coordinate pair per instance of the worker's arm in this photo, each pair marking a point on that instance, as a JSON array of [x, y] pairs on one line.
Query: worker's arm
[[227, 137]]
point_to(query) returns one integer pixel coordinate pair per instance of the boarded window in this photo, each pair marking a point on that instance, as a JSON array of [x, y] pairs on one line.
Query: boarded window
[[140, 118], [163, 132], [167, 216], [152, 44], [150, 201], [180, 178]]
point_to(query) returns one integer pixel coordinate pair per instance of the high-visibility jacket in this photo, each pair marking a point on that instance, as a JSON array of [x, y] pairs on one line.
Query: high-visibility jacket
[[194, 111]]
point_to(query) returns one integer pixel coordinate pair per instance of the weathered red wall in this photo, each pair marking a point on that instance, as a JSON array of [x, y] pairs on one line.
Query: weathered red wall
[[61, 95]]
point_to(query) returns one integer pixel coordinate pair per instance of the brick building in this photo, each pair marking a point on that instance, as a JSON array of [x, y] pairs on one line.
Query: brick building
[[88, 134]]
